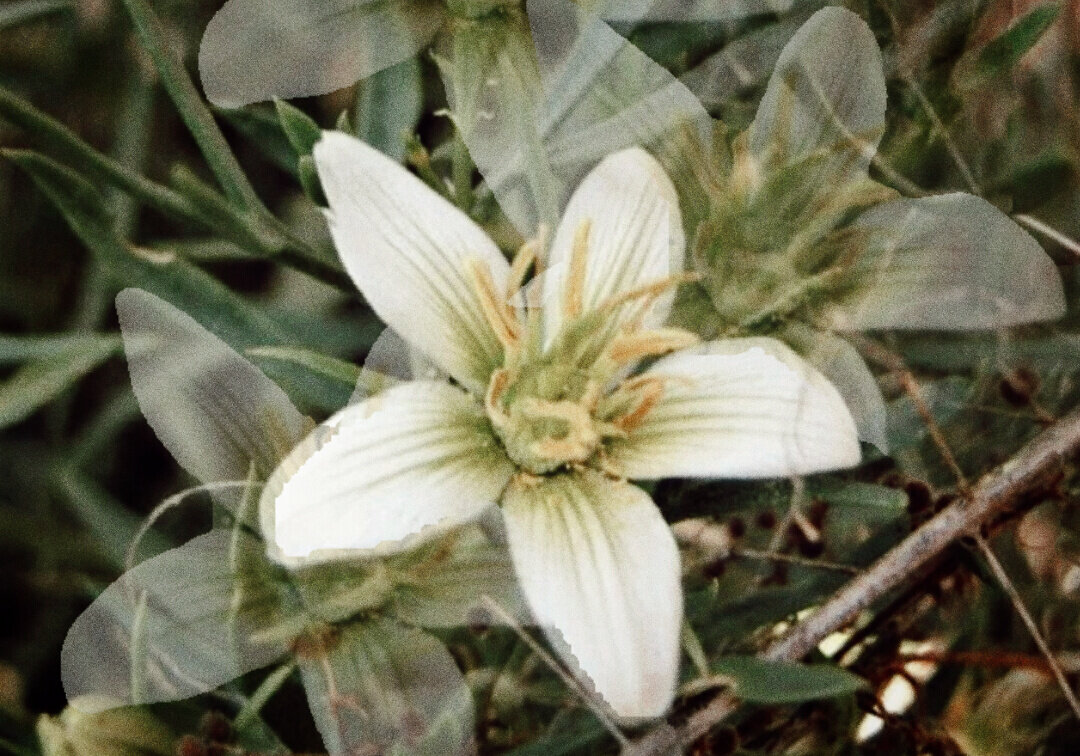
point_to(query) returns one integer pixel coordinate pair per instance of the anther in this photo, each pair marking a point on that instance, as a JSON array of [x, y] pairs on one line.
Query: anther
[[651, 391], [650, 290]]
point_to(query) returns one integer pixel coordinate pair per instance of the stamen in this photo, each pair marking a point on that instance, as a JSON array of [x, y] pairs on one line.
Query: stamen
[[651, 390], [528, 254], [500, 379], [524, 258], [653, 289], [499, 315], [574, 293], [633, 347]]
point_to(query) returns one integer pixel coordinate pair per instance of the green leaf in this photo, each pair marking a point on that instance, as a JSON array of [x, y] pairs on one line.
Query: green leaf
[[111, 524], [856, 495], [376, 686], [944, 398], [21, 11], [256, 229], [249, 713], [338, 371], [262, 128], [302, 132], [37, 383], [775, 683], [389, 106], [194, 112], [1001, 54], [176, 281], [15, 349]]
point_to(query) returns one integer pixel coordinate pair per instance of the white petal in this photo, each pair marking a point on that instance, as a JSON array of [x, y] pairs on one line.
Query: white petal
[[636, 236], [407, 250], [599, 566], [254, 50], [212, 409], [418, 457], [741, 408], [952, 262], [826, 93]]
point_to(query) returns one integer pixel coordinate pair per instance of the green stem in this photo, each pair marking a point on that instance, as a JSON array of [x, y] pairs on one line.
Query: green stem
[[192, 109]]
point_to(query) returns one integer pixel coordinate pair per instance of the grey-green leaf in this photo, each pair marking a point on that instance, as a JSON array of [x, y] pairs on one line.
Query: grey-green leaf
[[254, 50], [175, 624], [951, 262], [214, 410], [841, 363], [376, 686], [826, 95]]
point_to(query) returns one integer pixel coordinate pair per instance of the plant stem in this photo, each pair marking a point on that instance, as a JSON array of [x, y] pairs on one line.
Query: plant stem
[[1029, 622]]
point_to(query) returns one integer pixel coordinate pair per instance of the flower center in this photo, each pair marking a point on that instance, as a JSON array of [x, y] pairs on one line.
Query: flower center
[[555, 406]]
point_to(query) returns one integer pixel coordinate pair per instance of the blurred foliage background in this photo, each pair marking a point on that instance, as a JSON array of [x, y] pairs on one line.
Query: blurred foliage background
[[983, 95]]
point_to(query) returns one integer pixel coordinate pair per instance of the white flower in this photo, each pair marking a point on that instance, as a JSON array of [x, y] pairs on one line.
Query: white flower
[[544, 417]]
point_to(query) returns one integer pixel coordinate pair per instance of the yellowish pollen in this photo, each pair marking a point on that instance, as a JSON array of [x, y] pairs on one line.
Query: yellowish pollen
[[499, 315], [632, 347], [574, 293]]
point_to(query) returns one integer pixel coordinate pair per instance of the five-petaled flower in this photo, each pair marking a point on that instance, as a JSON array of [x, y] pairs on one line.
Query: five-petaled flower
[[545, 412]]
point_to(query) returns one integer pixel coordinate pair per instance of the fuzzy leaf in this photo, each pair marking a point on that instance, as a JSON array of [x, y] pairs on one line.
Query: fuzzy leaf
[[377, 686], [827, 95], [950, 262], [254, 50]]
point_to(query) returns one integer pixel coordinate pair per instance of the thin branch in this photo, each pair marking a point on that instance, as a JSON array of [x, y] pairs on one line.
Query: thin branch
[[1033, 466], [1029, 622], [1048, 231]]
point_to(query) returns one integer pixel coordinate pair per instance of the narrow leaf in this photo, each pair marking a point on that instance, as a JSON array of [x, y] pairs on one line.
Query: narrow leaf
[[23, 11], [775, 683], [189, 103], [37, 383]]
